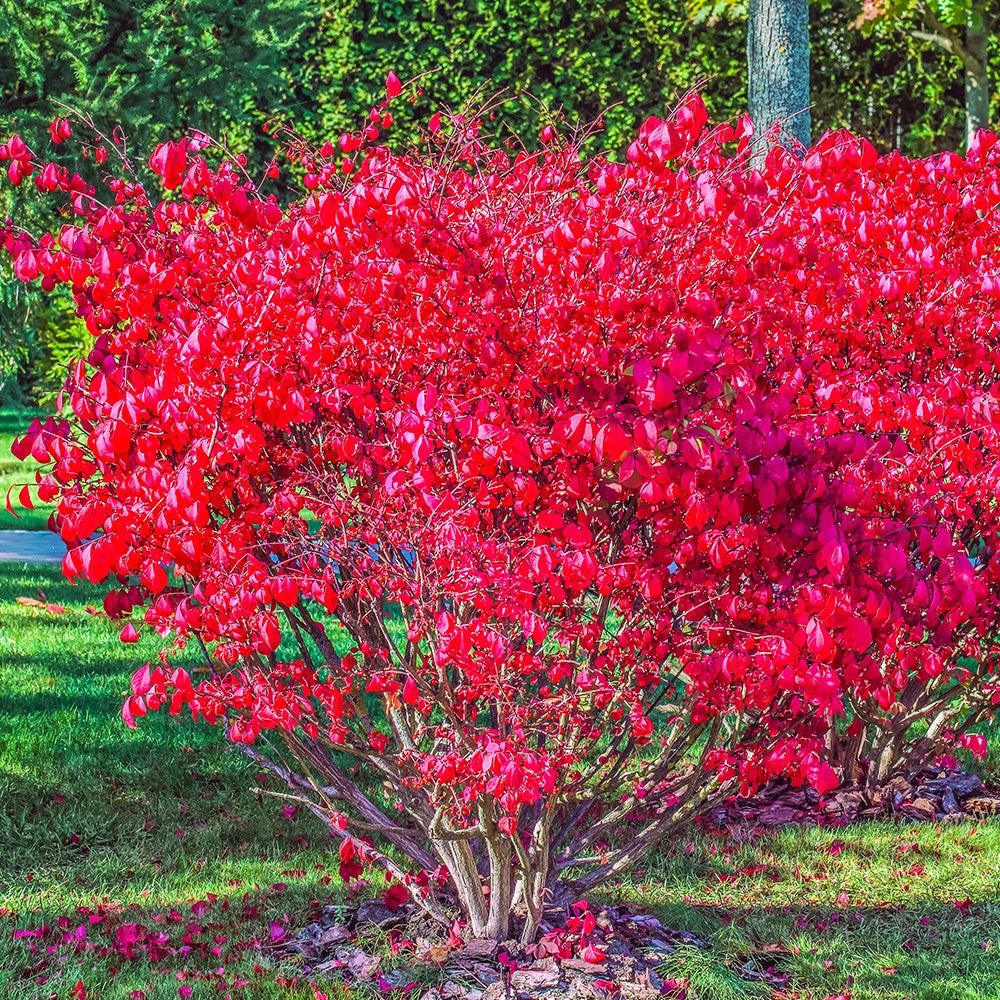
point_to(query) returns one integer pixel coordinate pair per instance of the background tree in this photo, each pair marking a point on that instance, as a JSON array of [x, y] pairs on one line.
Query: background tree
[[960, 28], [150, 68], [889, 85], [778, 67]]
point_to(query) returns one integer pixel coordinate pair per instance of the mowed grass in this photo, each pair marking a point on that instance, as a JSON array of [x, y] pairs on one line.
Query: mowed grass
[[141, 822], [14, 474], [158, 828], [877, 911]]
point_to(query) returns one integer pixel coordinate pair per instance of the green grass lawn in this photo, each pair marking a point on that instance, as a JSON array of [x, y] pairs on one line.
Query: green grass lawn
[[869, 911], [156, 828], [13, 422], [151, 820]]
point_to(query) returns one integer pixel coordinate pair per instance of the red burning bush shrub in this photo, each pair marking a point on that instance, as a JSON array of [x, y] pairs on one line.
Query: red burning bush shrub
[[565, 496]]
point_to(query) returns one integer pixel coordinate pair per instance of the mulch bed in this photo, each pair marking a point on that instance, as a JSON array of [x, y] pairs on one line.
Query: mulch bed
[[929, 795], [585, 952], [622, 949]]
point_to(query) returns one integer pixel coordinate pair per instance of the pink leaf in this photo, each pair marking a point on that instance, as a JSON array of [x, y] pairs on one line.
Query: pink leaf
[[975, 743]]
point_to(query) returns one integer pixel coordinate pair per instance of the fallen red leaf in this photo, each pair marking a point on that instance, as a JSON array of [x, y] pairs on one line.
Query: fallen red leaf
[[52, 609]]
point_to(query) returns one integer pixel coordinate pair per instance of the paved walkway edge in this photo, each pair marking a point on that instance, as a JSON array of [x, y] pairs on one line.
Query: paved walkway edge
[[31, 547]]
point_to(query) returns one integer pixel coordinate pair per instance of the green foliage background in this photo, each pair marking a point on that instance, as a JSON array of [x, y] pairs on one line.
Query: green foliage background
[[153, 67], [631, 57], [159, 67], [639, 54]]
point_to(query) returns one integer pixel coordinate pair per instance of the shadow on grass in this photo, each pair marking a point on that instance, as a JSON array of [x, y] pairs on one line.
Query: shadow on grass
[[15, 420], [16, 580], [924, 952], [163, 815]]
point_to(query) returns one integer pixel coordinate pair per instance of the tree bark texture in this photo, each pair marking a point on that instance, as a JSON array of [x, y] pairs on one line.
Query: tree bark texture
[[977, 73], [778, 62]]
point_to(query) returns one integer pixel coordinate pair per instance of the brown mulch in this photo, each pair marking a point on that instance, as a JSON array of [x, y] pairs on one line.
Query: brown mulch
[[370, 943], [374, 943], [928, 796]]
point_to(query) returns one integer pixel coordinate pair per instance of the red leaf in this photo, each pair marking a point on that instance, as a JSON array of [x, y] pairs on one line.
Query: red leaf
[[395, 896], [975, 743], [411, 694]]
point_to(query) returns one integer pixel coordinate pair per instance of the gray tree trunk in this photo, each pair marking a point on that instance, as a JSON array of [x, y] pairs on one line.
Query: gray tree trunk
[[778, 63], [977, 74]]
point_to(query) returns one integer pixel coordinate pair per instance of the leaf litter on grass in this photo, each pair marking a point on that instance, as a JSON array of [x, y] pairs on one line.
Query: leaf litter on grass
[[131, 827]]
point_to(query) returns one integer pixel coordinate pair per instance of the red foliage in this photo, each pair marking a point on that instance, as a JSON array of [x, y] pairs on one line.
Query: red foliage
[[513, 448]]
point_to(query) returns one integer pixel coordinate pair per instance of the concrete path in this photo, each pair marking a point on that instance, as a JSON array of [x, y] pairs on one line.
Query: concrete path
[[31, 547]]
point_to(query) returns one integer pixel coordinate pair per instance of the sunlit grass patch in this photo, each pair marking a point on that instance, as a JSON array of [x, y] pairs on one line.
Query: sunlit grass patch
[[14, 474], [139, 824]]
